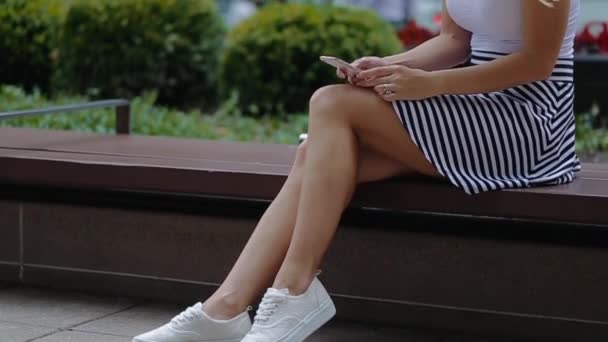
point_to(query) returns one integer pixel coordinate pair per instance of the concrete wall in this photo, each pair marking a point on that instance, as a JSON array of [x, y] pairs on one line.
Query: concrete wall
[[392, 272]]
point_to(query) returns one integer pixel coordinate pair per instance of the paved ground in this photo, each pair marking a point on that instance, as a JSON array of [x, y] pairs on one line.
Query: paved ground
[[49, 316]]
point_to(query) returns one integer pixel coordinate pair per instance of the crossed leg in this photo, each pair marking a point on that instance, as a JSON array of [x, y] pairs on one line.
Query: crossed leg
[[354, 136]]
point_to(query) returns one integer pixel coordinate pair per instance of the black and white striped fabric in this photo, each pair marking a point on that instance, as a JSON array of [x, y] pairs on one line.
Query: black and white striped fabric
[[519, 137]]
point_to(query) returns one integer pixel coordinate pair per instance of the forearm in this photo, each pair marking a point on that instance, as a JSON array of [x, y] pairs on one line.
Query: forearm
[[502, 73], [441, 52]]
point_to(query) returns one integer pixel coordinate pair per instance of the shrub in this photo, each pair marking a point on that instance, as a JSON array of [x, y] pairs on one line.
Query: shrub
[[591, 133], [151, 119], [272, 59], [29, 30], [119, 48]]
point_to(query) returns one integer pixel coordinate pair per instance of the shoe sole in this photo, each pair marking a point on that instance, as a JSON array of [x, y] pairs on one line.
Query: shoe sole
[[311, 323]]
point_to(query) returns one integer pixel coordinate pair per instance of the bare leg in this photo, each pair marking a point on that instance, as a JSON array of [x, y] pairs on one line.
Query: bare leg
[[262, 256], [341, 117]]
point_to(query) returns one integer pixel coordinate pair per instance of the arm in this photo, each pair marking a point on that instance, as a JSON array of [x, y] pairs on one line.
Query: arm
[[450, 48], [543, 33]]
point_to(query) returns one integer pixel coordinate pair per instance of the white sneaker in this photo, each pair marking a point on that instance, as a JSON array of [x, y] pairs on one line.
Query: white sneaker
[[285, 318], [194, 325]]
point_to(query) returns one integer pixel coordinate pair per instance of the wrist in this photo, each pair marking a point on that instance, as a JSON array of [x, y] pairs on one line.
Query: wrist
[[395, 60], [439, 81], [390, 60]]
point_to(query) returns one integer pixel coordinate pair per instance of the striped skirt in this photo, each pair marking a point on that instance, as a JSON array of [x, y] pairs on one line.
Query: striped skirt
[[514, 138]]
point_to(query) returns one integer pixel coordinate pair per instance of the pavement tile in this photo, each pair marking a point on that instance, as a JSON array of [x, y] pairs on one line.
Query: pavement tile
[[55, 309], [134, 321], [464, 338], [28, 314], [75, 336], [18, 332], [146, 317], [347, 332]]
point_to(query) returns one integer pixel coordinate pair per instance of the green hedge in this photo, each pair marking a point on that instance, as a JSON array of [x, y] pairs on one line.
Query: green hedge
[[29, 31], [272, 59], [590, 137], [228, 123], [119, 48], [150, 119]]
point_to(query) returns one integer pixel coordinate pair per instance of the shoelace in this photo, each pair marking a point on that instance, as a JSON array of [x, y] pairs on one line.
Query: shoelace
[[187, 315], [271, 301]]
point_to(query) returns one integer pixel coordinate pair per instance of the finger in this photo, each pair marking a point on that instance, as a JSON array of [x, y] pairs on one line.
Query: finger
[[390, 98], [355, 79], [376, 81], [381, 90], [344, 73], [363, 63], [379, 71], [358, 62]]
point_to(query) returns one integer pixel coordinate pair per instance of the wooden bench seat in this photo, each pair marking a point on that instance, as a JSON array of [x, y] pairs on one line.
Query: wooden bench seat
[[526, 262], [256, 171]]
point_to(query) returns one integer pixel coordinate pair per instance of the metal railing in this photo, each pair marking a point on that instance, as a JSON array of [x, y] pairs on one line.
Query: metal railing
[[123, 112]]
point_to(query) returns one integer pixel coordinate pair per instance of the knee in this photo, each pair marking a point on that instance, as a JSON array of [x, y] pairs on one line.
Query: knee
[[330, 101], [327, 96]]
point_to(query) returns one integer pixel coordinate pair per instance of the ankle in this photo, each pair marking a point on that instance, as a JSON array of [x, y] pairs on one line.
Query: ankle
[[223, 306], [296, 285]]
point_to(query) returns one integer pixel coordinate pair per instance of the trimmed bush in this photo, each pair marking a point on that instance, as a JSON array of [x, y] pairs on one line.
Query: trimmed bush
[[119, 48], [151, 119], [29, 30], [272, 59]]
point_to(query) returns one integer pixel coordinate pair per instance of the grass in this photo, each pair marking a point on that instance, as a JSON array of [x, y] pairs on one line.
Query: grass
[[227, 123], [591, 134]]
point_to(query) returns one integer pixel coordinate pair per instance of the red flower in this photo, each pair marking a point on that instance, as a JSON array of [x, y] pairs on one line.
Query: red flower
[[593, 38], [413, 34]]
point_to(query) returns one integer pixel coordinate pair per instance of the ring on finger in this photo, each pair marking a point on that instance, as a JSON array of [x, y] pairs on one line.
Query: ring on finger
[[386, 91]]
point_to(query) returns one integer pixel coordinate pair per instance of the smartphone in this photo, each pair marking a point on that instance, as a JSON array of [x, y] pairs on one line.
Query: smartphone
[[340, 64]]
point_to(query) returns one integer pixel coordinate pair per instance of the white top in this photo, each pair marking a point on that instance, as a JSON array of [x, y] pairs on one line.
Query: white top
[[496, 24]]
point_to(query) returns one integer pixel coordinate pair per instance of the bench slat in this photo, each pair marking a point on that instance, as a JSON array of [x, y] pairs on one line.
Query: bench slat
[[143, 146], [227, 164], [257, 171], [580, 202]]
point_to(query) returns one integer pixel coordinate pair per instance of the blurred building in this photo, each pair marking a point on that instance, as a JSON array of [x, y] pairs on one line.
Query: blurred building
[[398, 11], [593, 10], [395, 11], [234, 11]]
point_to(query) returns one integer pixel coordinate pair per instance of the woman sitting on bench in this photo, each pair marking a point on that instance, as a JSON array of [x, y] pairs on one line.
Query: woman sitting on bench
[[506, 121]]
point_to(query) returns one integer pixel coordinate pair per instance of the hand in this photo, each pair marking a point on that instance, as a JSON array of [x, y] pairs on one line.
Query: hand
[[364, 63], [369, 62], [397, 82]]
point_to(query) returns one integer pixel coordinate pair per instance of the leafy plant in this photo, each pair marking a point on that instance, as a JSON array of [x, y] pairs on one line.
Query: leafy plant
[[29, 30], [119, 48], [590, 137], [228, 123], [272, 59]]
